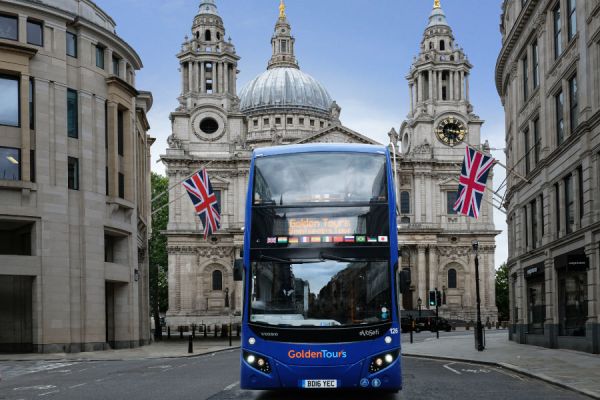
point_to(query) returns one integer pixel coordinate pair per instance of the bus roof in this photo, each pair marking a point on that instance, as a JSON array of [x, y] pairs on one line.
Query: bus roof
[[324, 147]]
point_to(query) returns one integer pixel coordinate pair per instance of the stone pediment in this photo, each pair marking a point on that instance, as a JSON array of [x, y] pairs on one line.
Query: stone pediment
[[337, 134], [449, 182]]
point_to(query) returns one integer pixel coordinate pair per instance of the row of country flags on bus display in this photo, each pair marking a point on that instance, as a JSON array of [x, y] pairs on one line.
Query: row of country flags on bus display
[[471, 189], [326, 239]]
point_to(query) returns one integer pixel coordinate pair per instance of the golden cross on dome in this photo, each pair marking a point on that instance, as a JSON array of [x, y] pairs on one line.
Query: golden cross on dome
[[281, 10], [436, 3]]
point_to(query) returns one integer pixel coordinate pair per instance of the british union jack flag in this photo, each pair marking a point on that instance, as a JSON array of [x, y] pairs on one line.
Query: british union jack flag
[[471, 184], [205, 201]]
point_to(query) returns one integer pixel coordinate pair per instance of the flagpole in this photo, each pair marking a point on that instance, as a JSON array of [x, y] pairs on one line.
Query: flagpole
[[161, 194], [511, 171]]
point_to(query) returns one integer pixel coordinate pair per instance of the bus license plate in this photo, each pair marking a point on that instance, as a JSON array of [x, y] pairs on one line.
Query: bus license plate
[[319, 383]]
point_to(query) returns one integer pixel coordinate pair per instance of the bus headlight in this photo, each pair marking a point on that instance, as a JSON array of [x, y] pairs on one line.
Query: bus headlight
[[258, 362], [382, 361], [251, 340]]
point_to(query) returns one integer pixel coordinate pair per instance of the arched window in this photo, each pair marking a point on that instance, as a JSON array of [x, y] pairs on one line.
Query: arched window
[[207, 36], [218, 36], [430, 45], [405, 220], [197, 35], [404, 203], [451, 278], [442, 45], [217, 280]]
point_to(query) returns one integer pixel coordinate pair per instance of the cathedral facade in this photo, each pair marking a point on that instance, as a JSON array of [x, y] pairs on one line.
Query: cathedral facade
[[217, 128]]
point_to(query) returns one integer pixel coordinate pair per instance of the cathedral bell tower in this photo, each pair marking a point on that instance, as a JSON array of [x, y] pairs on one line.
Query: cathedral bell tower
[[440, 115], [208, 62], [283, 43]]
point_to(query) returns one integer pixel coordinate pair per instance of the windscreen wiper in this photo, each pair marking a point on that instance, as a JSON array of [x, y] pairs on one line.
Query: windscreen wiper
[[325, 256]]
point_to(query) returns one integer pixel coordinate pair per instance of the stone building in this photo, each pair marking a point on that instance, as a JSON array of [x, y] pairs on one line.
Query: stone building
[[74, 181], [216, 128], [547, 77]]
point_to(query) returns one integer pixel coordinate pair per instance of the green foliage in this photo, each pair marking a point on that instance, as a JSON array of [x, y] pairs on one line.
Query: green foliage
[[158, 243], [502, 292]]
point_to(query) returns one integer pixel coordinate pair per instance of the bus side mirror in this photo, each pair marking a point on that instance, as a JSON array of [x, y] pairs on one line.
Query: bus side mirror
[[238, 270], [404, 280]]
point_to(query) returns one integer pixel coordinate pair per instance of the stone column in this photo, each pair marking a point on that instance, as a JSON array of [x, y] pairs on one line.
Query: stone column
[[222, 80], [418, 84], [25, 133], [412, 100], [433, 268], [440, 84], [430, 88], [417, 189], [451, 79], [461, 93], [113, 158], [422, 274], [190, 76], [467, 87], [202, 77], [182, 67], [540, 221], [226, 76], [529, 225], [593, 283]]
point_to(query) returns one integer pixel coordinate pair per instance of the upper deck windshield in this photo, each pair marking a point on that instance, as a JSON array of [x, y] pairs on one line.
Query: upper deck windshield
[[323, 177]]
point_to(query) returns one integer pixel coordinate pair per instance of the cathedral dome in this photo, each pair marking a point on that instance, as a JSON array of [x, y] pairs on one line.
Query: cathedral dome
[[284, 88]]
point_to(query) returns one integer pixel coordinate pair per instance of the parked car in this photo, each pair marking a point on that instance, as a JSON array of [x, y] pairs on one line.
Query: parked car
[[425, 323]]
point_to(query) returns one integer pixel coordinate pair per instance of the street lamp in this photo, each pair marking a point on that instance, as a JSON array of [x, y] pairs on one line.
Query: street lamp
[[479, 329], [419, 302]]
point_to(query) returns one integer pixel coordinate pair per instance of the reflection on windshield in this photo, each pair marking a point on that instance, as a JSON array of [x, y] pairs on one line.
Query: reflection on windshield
[[320, 178], [325, 293]]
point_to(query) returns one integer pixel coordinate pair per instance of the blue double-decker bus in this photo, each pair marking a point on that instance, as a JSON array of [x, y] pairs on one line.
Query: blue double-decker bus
[[320, 270]]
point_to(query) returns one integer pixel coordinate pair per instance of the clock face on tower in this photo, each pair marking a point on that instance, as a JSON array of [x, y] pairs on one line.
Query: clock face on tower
[[451, 131]]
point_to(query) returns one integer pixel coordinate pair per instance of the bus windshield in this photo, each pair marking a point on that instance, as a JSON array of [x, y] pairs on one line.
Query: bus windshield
[[320, 178], [322, 293]]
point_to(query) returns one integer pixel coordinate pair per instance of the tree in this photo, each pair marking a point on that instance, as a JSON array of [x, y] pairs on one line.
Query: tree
[[159, 291], [502, 292]]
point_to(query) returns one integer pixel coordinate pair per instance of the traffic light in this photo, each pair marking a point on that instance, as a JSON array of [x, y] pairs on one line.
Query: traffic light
[[432, 298], [438, 298]]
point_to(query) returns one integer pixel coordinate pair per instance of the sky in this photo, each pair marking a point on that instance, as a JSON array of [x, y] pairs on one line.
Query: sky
[[360, 50]]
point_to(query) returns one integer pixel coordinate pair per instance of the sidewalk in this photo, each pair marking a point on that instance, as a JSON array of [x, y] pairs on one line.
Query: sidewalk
[[569, 369], [175, 347]]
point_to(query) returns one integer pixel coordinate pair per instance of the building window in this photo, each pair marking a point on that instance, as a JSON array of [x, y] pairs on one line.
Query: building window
[[557, 32], [72, 114], [572, 300], [572, 18], [9, 27], [106, 180], [405, 220], [32, 165], [120, 133], [277, 121], [450, 201], [560, 123], [10, 164], [557, 207], [283, 46], [452, 278], [207, 36], [9, 101], [115, 66], [71, 44], [121, 185], [442, 45], [100, 56], [542, 214], [217, 280], [573, 103], [301, 121], [580, 191], [266, 122], [321, 124], [73, 173], [536, 306], [31, 103], [526, 227], [35, 33], [534, 225], [535, 64], [527, 151], [312, 122], [255, 123], [405, 203], [290, 121], [218, 194], [569, 204], [536, 141], [525, 78], [16, 238]]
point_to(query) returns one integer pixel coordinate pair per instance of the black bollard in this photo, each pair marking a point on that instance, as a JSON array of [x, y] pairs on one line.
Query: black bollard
[[229, 333], [190, 346], [168, 332], [205, 330], [412, 328], [181, 332], [193, 331], [216, 330]]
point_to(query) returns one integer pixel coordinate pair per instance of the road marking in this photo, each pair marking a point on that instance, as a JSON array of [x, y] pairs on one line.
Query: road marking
[[38, 387], [160, 367], [44, 394], [234, 384], [448, 367], [74, 386], [476, 371]]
